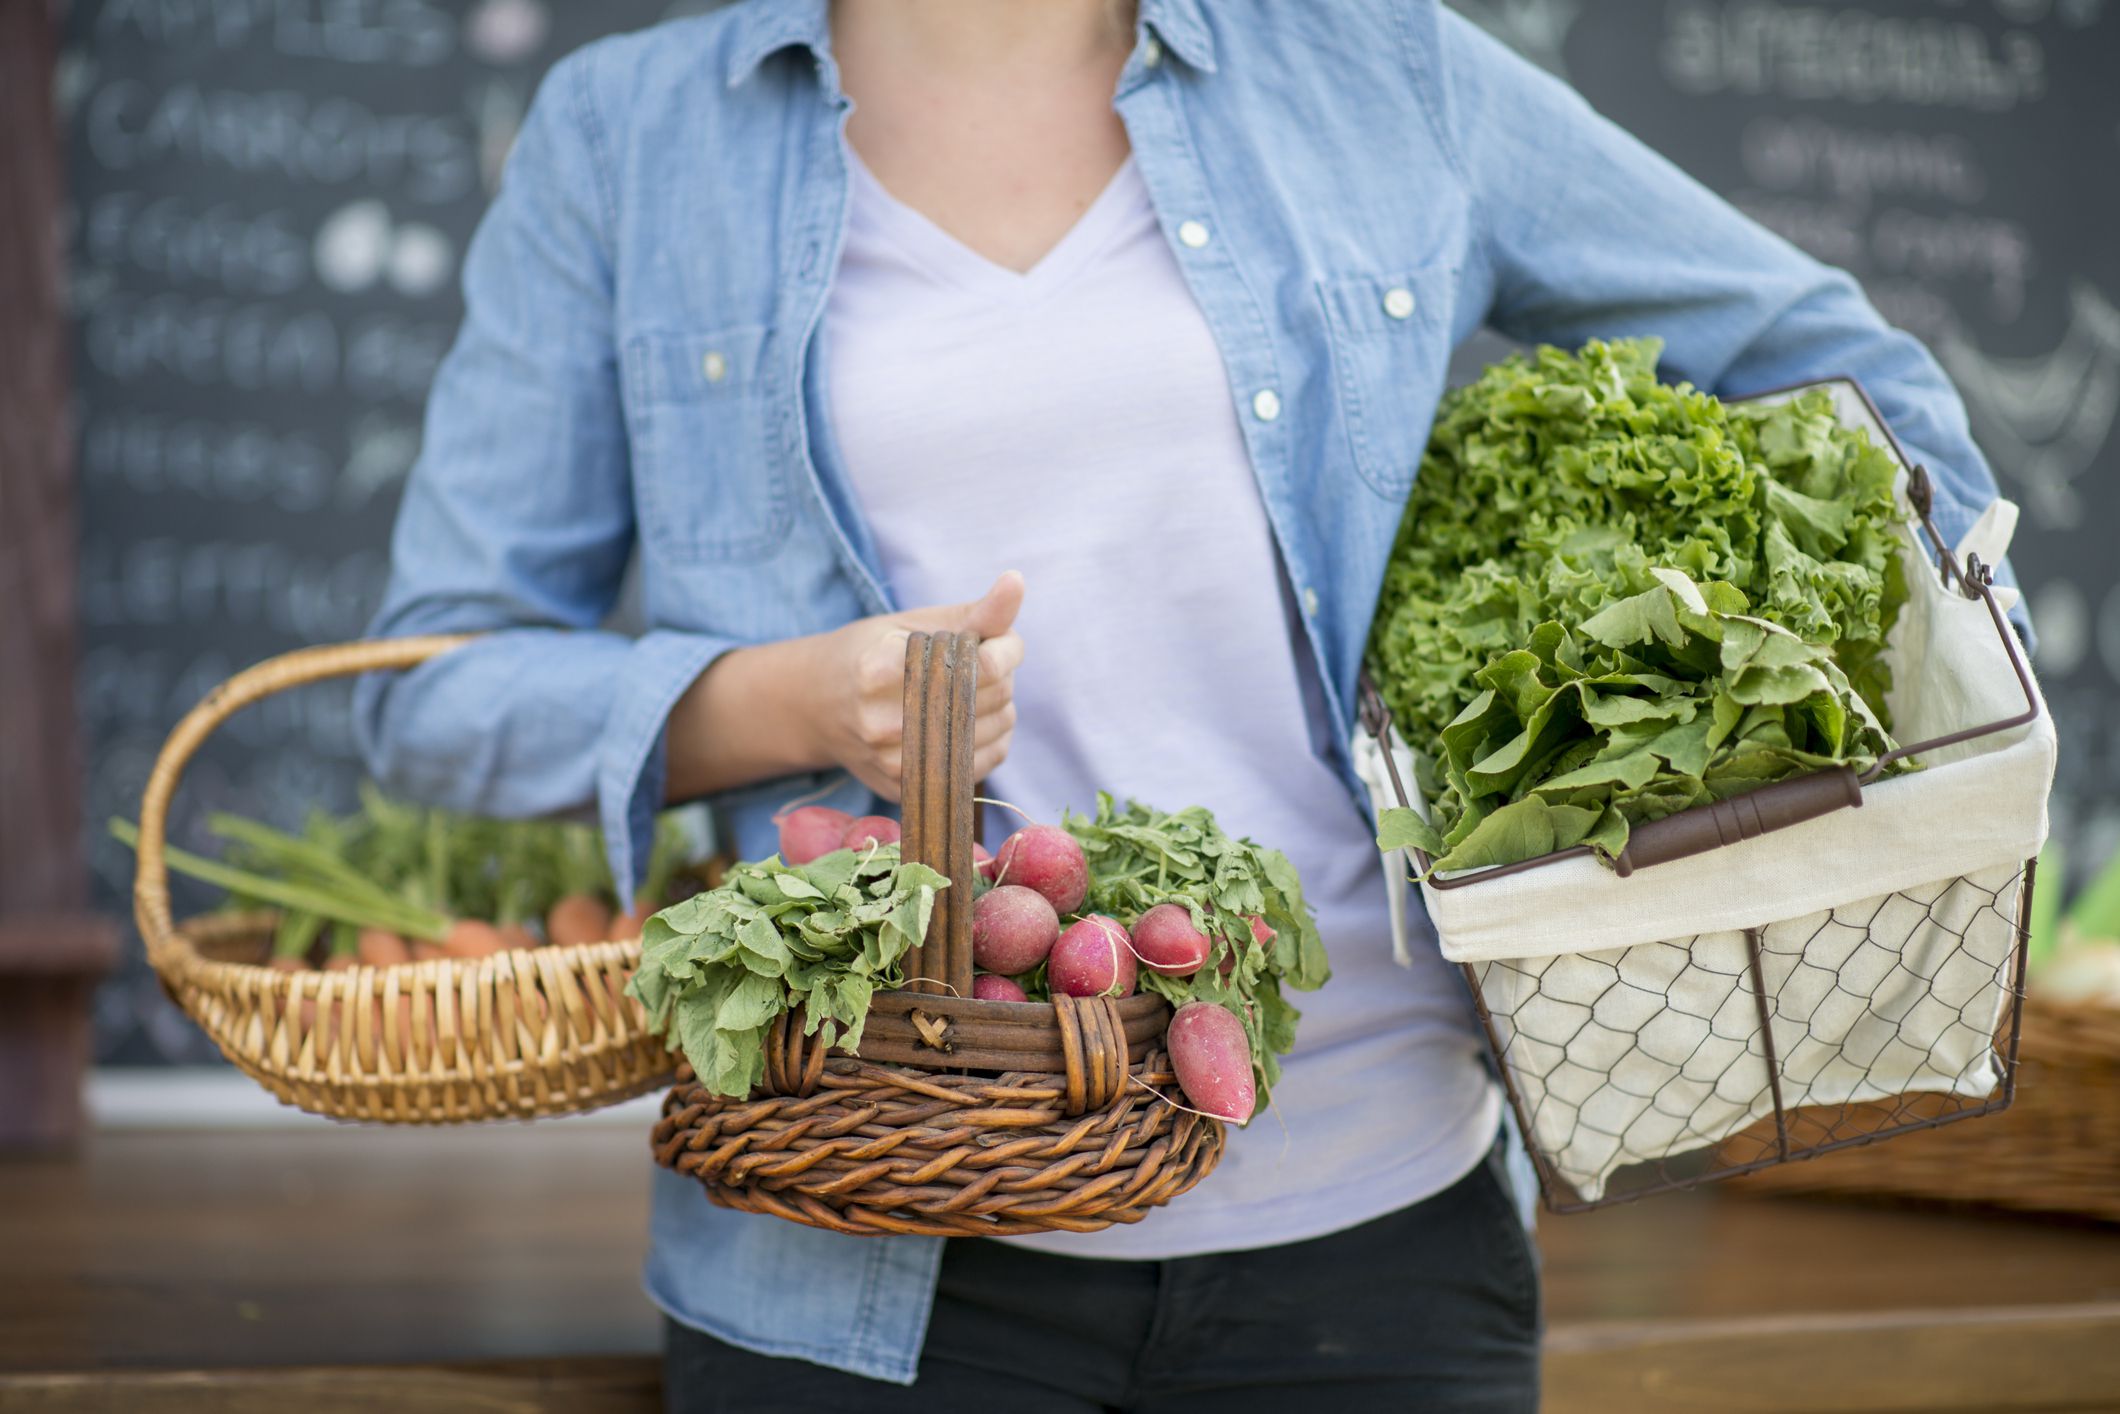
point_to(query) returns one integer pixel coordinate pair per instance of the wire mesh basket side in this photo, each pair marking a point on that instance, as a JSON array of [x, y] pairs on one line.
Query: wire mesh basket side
[[1642, 1069]]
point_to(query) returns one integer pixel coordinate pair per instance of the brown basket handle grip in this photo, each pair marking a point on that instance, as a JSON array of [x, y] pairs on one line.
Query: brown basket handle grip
[[305, 665], [941, 683], [1741, 817]]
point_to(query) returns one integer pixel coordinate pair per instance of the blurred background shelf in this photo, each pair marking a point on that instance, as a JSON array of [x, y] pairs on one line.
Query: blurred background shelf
[[257, 1258]]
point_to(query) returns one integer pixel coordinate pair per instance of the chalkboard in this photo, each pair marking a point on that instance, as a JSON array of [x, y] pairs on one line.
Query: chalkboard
[[269, 202]]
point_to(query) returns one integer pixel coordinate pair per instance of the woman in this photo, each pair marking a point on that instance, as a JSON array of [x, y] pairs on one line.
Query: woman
[[843, 316]]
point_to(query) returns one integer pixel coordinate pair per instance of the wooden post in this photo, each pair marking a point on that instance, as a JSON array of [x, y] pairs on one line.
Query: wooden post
[[52, 950]]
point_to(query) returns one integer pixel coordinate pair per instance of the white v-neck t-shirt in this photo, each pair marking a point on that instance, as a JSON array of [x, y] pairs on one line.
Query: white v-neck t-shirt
[[1075, 422]]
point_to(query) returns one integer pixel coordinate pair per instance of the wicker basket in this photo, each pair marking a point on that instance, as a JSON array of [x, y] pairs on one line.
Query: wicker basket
[[958, 1117], [524, 1033], [2056, 1150]]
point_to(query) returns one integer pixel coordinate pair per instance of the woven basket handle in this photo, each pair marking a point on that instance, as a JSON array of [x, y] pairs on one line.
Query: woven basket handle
[[307, 665], [941, 682]]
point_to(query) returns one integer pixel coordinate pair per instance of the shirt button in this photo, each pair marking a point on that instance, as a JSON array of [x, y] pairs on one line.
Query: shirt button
[[1310, 602], [715, 365], [1266, 404], [1398, 303], [1192, 233], [1151, 52]]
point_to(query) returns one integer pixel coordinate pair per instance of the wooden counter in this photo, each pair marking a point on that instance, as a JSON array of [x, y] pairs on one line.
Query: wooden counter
[[343, 1268]]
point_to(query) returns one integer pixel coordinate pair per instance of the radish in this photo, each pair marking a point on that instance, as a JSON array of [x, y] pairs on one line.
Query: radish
[[1213, 1061], [982, 862], [1167, 941], [1013, 928], [812, 831], [991, 987], [1046, 858], [1094, 958], [517, 935], [869, 830]]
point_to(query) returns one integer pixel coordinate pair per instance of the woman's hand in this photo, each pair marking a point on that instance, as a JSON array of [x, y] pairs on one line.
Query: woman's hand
[[837, 699], [859, 674]]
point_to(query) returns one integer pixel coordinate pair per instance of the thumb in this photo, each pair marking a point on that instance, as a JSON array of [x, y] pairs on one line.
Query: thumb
[[989, 616], [992, 614]]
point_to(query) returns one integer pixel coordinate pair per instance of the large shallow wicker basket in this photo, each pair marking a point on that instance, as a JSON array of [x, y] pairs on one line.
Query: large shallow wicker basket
[[524, 1033], [2056, 1150], [958, 1117]]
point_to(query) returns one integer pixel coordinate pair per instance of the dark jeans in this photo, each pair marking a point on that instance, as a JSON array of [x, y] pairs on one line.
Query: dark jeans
[[1432, 1308]]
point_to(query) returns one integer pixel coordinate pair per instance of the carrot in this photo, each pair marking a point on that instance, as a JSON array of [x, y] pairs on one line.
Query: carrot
[[517, 935], [577, 918], [345, 948], [379, 947], [467, 938], [288, 964], [628, 926]]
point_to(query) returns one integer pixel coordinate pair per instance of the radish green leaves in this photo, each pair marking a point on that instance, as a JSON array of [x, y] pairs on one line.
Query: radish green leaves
[[716, 969]]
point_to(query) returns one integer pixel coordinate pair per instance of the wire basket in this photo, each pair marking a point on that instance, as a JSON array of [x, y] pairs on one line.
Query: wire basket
[[1766, 1036]]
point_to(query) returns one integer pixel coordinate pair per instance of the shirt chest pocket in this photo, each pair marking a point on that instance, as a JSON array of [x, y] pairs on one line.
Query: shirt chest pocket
[[707, 481], [1390, 337]]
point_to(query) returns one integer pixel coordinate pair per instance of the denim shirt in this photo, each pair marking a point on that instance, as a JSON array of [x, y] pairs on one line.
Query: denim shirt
[[1350, 190]]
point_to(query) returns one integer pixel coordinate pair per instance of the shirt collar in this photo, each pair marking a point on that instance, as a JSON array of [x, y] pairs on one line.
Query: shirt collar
[[1183, 29], [765, 27]]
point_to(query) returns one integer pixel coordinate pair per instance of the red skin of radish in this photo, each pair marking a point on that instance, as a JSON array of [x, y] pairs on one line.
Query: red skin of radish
[[1213, 1061], [983, 862], [812, 832], [1013, 928], [989, 987], [1046, 858], [1167, 942], [870, 830], [1094, 958]]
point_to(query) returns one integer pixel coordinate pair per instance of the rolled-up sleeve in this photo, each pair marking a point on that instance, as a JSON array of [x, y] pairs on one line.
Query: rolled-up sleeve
[[517, 524], [1587, 233]]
